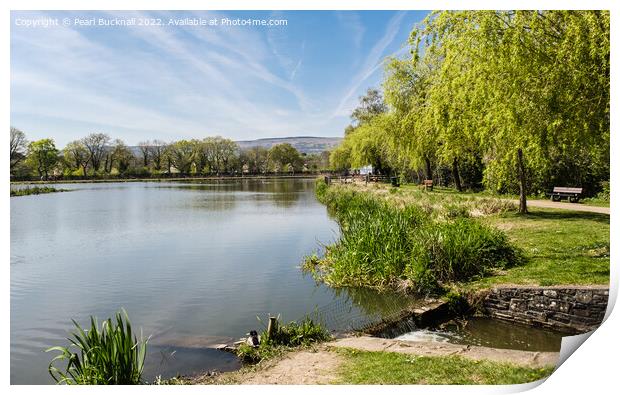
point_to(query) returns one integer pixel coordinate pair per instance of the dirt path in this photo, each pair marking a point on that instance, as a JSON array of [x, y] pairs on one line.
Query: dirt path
[[301, 367], [565, 206], [320, 365]]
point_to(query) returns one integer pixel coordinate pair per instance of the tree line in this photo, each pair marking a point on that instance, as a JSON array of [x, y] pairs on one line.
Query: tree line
[[97, 155], [514, 101]]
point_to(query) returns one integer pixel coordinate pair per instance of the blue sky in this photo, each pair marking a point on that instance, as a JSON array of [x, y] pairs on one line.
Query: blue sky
[[170, 82]]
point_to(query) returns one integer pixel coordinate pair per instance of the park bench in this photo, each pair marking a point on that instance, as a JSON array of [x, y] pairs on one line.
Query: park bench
[[428, 185], [572, 194]]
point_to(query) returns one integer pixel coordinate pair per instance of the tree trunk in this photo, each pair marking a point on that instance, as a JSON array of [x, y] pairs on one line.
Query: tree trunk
[[522, 186], [84, 171], [429, 171], [455, 175]]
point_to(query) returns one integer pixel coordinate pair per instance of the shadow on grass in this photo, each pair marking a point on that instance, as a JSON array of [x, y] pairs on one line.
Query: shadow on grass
[[565, 216]]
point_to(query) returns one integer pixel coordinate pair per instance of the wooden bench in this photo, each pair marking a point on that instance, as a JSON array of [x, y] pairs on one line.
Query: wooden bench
[[428, 185], [572, 194]]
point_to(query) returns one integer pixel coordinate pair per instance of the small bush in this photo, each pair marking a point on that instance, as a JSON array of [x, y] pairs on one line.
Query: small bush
[[110, 355], [605, 191]]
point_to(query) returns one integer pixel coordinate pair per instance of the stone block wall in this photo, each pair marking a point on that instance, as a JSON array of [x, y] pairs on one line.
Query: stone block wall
[[571, 309]]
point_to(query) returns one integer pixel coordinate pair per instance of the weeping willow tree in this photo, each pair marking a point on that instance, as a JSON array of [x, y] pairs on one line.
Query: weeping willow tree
[[526, 93], [529, 88]]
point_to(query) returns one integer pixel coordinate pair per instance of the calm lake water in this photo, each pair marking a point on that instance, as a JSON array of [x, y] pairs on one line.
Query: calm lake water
[[193, 264]]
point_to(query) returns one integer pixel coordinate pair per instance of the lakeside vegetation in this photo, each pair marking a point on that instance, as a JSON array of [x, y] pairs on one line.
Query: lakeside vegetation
[[35, 191], [406, 246], [111, 354], [284, 337], [514, 102], [376, 367], [439, 241]]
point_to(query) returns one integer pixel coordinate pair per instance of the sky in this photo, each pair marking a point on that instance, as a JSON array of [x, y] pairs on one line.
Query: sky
[[170, 82]]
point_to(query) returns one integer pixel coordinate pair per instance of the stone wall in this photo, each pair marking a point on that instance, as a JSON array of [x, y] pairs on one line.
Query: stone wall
[[571, 309]]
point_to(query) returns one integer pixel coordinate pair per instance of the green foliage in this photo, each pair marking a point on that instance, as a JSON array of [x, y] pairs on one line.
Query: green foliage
[[481, 86], [285, 158], [110, 355], [364, 367], [284, 336], [458, 250], [382, 243], [34, 191], [295, 334], [42, 156]]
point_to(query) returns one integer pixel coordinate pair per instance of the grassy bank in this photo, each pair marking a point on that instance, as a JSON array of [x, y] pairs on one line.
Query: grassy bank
[[444, 239], [387, 242], [35, 191], [560, 247], [365, 367]]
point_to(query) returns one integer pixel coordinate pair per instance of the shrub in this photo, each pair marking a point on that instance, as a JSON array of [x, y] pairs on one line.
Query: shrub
[[605, 191], [110, 355]]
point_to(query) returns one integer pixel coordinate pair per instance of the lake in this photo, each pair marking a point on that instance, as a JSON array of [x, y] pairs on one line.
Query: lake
[[193, 264]]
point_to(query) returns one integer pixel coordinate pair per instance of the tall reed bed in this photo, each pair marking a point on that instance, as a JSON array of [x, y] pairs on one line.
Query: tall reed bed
[[384, 245]]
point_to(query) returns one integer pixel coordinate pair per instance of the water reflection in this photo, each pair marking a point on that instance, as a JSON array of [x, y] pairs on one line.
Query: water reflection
[[190, 262]]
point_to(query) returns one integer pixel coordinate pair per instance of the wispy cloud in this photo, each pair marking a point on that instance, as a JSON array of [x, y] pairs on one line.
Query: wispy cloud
[[373, 62], [140, 83]]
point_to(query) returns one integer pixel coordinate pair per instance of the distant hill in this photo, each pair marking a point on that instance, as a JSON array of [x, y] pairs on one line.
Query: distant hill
[[303, 144]]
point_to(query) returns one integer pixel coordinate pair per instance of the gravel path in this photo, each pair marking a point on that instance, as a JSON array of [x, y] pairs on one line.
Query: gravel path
[[565, 206]]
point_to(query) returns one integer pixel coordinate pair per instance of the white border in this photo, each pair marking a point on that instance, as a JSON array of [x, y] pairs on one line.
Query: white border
[[592, 369]]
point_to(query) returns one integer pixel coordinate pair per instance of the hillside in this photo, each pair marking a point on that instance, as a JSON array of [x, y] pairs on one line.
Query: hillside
[[304, 144]]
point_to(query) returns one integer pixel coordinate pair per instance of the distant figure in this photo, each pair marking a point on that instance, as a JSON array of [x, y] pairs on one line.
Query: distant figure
[[253, 340]]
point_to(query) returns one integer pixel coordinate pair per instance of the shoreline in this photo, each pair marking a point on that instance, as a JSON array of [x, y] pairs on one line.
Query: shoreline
[[164, 179]]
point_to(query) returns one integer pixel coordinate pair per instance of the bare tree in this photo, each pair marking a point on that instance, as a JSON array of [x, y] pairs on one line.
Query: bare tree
[[96, 144], [145, 149], [18, 146], [157, 150]]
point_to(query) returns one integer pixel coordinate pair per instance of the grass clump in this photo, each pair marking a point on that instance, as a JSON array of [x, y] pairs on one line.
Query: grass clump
[[366, 367], [458, 250], [283, 337], [110, 355], [383, 244], [35, 191]]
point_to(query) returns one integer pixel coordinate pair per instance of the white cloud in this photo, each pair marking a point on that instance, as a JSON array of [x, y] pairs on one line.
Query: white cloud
[[373, 62]]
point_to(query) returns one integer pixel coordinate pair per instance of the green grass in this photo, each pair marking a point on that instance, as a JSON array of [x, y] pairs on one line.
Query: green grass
[[365, 367], [557, 246], [387, 241], [107, 355], [560, 247], [284, 337], [35, 191]]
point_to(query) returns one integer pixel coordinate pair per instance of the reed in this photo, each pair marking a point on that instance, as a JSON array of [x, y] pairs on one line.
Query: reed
[[383, 243], [108, 355]]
